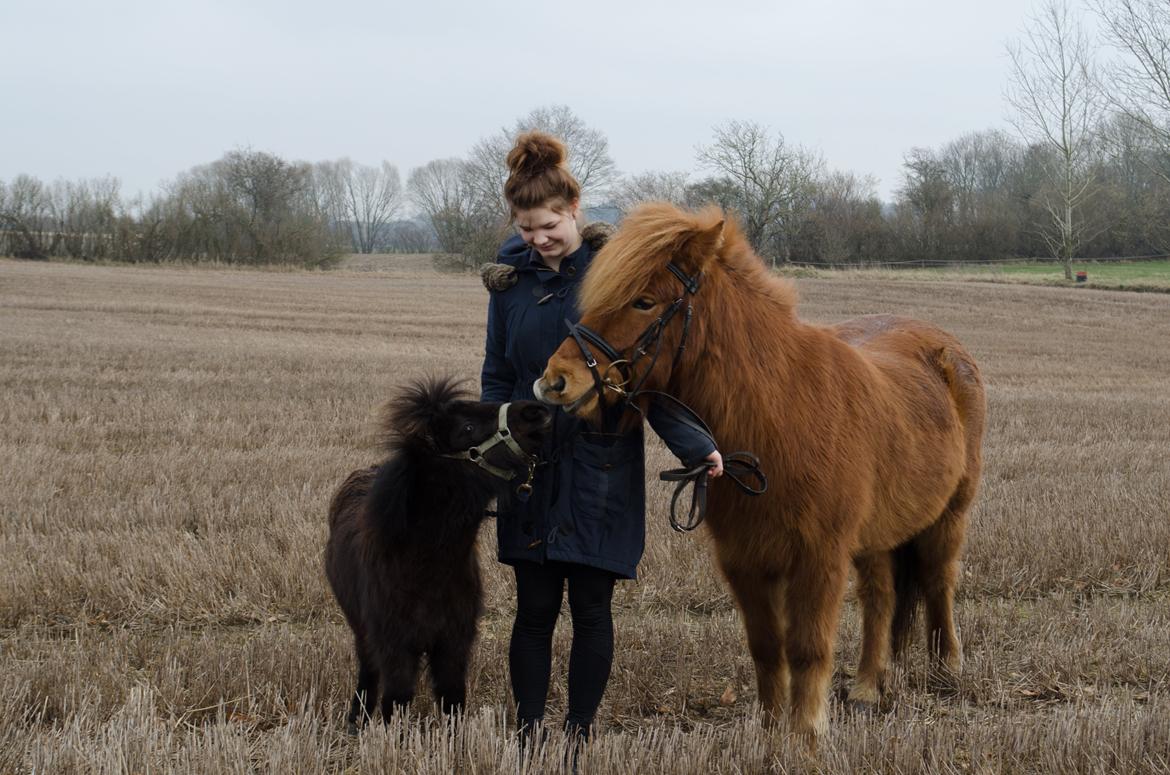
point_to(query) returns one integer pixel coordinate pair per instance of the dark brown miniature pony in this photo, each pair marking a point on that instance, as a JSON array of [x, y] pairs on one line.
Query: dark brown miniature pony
[[401, 551], [869, 432]]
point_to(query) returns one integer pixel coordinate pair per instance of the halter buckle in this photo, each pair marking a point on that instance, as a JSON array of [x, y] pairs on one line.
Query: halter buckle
[[503, 435]]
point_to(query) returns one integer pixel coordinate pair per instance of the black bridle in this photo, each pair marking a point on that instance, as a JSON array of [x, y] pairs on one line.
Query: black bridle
[[650, 336], [736, 465], [503, 435]]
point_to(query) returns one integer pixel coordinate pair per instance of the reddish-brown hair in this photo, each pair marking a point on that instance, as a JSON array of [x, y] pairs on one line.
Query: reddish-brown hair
[[538, 174]]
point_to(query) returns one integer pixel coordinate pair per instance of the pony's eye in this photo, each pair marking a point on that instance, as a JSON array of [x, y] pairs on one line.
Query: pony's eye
[[644, 303], [469, 428]]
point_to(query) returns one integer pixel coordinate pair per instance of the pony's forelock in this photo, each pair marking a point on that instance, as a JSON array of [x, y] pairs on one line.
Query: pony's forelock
[[408, 416], [650, 235]]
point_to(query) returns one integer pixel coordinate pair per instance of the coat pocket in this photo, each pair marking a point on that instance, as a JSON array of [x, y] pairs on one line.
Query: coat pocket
[[601, 476]]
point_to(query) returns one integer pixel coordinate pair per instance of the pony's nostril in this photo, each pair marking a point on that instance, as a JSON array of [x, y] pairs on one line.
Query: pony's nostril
[[558, 386]]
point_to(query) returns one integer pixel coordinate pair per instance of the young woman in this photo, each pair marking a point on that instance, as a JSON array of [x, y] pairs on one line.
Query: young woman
[[584, 525]]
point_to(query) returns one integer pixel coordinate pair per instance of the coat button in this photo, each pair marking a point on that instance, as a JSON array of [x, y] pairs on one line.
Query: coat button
[[570, 270], [606, 466]]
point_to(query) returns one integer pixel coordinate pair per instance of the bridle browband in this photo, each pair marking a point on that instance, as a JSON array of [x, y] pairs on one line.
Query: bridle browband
[[503, 435], [736, 465]]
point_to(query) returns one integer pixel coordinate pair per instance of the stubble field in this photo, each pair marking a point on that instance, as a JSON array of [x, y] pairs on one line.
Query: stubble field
[[170, 439]]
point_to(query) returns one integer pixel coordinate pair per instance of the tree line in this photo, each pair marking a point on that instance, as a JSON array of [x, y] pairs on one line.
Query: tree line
[[247, 207], [1086, 173]]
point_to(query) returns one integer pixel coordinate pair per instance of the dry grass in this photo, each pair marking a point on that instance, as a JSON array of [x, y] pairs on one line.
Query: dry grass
[[170, 439]]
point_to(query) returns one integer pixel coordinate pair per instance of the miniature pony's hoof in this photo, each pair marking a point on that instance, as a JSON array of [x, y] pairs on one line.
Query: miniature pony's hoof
[[942, 680], [862, 707], [351, 728]]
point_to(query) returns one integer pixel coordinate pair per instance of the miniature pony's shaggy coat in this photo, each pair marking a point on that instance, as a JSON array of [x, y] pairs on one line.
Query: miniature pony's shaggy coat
[[870, 433], [401, 551]]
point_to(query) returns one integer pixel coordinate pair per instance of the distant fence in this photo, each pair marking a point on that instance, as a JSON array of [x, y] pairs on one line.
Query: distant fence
[[940, 264]]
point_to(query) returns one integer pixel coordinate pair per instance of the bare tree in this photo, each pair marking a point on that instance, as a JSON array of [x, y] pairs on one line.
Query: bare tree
[[982, 169], [24, 213], [589, 158], [978, 164], [249, 206], [773, 181], [82, 217], [440, 192], [845, 223], [1140, 81], [329, 188], [443, 192], [1058, 104], [926, 207], [721, 191], [372, 196], [1138, 179], [650, 186]]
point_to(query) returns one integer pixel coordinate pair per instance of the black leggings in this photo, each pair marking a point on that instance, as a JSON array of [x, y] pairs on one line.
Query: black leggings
[[539, 589]]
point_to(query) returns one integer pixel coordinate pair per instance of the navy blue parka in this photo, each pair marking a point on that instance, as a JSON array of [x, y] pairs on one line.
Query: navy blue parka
[[588, 504]]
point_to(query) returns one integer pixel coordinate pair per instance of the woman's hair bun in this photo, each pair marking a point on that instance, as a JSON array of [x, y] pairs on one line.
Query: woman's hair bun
[[534, 153], [538, 175]]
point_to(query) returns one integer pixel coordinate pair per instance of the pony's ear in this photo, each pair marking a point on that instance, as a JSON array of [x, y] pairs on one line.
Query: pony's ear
[[702, 248]]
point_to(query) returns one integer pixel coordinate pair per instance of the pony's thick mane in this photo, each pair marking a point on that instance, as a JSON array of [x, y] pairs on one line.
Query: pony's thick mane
[[650, 236], [405, 419]]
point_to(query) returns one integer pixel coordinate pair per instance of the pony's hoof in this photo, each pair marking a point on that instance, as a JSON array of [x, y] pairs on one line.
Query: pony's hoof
[[945, 688], [863, 697], [942, 680], [351, 728], [862, 707], [808, 743], [810, 730]]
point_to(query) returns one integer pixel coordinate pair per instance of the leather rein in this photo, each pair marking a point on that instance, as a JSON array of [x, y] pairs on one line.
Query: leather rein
[[740, 467], [503, 435]]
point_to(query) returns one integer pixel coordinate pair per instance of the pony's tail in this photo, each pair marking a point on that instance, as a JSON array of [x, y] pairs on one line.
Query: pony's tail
[[907, 595]]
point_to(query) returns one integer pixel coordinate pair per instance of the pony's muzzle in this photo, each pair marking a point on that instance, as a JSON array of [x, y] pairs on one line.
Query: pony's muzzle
[[542, 389]]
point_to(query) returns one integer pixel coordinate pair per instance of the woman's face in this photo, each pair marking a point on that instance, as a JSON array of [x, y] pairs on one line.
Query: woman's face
[[553, 233]]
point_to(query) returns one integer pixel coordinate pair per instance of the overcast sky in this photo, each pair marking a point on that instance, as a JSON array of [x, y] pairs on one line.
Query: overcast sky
[[145, 90]]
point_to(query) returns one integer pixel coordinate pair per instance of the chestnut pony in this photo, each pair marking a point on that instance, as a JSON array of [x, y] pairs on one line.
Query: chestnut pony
[[869, 431]]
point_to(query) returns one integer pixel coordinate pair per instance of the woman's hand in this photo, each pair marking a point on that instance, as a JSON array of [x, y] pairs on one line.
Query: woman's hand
[[716, 469]]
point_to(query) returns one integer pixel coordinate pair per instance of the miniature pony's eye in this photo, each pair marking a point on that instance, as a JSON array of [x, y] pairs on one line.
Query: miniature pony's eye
[[644, 302]]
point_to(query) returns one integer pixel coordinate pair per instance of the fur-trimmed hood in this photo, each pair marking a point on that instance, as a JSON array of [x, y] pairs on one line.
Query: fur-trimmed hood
[[501, 275]]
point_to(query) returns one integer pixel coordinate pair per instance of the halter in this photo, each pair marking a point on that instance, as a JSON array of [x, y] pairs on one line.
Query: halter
[[738, 466], [503, 435]]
